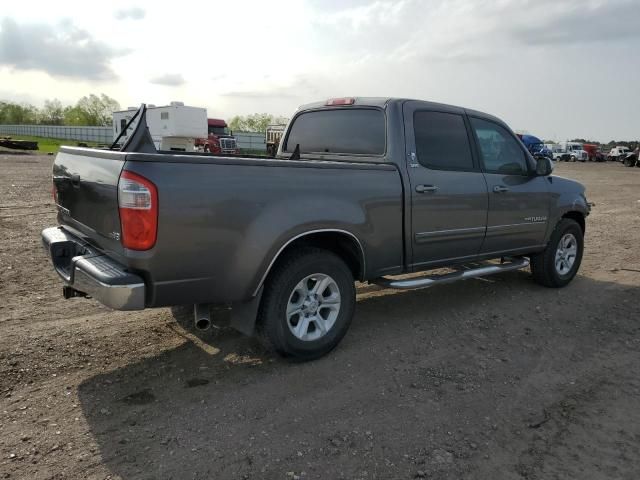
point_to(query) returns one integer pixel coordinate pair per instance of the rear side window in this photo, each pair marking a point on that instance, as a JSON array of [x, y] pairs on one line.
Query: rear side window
[[442, 142], [351, 131]]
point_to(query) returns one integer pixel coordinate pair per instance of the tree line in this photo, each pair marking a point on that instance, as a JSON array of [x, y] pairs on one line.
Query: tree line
[[92, 110], [256, 122]]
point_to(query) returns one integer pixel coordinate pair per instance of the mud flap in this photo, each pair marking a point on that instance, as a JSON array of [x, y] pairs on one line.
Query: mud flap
[[244, 315]]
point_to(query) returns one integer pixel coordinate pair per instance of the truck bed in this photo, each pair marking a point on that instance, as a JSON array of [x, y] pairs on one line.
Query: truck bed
[[222, 220]]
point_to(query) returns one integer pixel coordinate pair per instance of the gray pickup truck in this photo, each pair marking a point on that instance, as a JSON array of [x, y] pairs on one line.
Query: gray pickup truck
[[366, 189]]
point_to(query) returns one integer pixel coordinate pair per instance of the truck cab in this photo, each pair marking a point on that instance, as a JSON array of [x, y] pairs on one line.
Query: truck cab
[[573, 151], [535, 146], [219, 138]]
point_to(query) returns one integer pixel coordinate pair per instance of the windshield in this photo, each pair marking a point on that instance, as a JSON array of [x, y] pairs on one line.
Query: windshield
[[534, 147], [218, 130]]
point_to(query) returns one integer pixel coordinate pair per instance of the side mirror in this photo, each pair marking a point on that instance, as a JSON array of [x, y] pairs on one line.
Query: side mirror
[[544, 167]]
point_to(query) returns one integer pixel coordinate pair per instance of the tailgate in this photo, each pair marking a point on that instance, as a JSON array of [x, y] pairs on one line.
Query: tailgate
[[86, 192]]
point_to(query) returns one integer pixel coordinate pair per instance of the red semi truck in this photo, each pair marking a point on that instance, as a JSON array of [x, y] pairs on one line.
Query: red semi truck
[[594, 153], [219, 140]]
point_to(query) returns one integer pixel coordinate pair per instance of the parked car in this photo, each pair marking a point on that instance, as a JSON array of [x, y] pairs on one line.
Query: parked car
[[631, 158], [617, 153], [361, 189]]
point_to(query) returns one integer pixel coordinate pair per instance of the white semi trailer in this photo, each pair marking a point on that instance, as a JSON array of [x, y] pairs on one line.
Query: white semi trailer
[[172, 127]]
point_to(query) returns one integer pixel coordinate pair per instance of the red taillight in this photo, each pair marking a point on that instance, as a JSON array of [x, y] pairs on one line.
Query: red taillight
[[340, 101], [138, 205]]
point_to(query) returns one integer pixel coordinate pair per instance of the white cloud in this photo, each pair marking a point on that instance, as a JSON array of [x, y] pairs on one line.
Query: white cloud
[[169, 80], [131, 13], [62, 50]]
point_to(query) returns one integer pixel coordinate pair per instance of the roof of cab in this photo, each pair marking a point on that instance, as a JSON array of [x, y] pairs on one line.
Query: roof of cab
[[382, 102]]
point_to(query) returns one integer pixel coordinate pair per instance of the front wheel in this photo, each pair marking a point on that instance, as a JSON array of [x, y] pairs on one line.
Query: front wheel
[[307, 304], [556, 266]]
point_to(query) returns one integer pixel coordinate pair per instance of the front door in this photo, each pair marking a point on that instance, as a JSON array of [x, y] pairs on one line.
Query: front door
[[518, 199], [448, 191]]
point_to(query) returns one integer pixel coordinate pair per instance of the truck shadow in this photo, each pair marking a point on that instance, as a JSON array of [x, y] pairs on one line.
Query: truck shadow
[[414, 367]]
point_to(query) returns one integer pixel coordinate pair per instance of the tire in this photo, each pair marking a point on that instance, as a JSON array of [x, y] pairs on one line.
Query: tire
[[310, 330], [544, 264], [573, 159]]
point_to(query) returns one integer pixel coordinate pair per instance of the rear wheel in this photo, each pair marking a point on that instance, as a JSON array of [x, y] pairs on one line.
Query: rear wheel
[[307, 304], [556, 266]]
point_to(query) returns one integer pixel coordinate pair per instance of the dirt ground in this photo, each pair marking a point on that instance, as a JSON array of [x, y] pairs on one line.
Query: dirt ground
[[485, 379]]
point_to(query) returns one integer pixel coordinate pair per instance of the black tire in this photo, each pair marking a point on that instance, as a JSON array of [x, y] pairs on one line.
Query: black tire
[[273, 326], [543, 265]]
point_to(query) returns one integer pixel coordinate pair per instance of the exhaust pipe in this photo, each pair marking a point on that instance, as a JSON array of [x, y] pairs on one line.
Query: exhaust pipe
[[202, 316]]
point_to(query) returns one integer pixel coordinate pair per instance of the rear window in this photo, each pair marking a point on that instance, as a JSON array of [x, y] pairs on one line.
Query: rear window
[[352, 131]]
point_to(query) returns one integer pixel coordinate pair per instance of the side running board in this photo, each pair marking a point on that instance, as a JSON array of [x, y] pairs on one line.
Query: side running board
[[431, 280]]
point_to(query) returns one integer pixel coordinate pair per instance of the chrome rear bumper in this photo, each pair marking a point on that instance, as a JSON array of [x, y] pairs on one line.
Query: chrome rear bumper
[[90, 272]]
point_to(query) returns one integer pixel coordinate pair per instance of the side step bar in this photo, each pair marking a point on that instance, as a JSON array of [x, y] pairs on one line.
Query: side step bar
[[431, 280]]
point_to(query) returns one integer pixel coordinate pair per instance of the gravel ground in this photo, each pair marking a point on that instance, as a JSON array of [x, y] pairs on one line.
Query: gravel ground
[[485, 379]]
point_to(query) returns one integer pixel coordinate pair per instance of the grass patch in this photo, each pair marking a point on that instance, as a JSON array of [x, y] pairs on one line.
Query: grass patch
[[47, 145], [249, 151]]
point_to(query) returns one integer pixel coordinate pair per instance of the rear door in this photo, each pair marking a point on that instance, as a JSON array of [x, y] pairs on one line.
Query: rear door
[[86, 194], [518, 199], [448, 191]]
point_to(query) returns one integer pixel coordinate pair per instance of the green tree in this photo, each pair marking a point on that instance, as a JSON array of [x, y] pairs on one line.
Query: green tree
[[256, 122], [18, 114], [52, 113], [96, 110], [75, 116], [93, 110]]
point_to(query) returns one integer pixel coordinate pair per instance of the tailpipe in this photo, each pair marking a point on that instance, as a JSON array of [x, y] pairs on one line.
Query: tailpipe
[[202, 316]]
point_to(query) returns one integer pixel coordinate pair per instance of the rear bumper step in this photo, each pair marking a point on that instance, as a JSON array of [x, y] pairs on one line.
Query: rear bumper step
[[431, 280], [89, 272]]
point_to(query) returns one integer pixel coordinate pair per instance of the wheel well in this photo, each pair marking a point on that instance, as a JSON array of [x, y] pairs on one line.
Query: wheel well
[[342, 244], [578, 217]]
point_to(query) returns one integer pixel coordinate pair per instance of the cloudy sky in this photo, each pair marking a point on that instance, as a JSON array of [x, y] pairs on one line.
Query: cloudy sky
[[556, 68]]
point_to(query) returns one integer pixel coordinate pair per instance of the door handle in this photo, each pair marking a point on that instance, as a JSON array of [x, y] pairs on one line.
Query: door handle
[[500, 189], [426, 188]]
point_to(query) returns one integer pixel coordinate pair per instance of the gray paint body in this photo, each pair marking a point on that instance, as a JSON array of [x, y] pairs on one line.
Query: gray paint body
[[224, 220]]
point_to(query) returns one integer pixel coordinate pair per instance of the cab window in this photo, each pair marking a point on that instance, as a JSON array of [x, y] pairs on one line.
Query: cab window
[[500, 151], [347, 131], [441, 141]]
